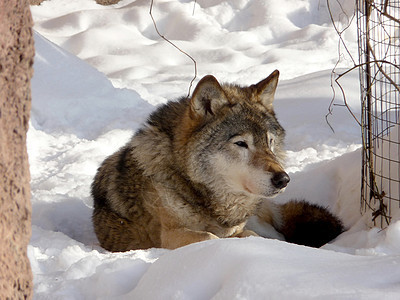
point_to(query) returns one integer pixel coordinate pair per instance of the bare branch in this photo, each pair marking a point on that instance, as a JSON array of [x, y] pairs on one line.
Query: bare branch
[[194, 7], [175, 46], [340, 43]]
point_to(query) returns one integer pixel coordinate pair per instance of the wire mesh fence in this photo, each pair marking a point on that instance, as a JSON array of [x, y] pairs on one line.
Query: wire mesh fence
[[378, 24]]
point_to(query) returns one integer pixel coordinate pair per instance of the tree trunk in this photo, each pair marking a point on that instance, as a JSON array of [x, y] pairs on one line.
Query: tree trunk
[[16, 59]]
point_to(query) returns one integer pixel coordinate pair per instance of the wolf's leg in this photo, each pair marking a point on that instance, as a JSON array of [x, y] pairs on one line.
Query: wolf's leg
[[117, 234], [245, 233], [180, 226], [178, 237], [264, 229]]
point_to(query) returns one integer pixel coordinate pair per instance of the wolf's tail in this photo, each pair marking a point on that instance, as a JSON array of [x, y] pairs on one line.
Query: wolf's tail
[[303, 223]]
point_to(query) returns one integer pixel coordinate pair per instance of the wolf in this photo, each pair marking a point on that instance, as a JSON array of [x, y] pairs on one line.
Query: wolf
[[197, 170]]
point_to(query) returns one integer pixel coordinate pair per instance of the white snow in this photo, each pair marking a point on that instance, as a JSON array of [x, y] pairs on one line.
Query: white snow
[[99, 71]]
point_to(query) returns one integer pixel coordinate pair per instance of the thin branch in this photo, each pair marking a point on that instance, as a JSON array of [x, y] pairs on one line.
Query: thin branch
[[384, 12], [175, 46], [381, 70], [340, 32], [194, 7], [340, 43]]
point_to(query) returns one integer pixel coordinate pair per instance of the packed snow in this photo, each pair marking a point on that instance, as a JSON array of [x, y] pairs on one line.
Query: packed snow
[[99, 72]]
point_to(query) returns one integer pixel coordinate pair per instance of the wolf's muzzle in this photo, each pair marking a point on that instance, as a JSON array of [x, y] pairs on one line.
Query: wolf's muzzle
[[280, 180]]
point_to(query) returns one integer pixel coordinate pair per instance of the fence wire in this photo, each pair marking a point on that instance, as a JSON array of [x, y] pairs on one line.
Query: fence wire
[[378, 24]]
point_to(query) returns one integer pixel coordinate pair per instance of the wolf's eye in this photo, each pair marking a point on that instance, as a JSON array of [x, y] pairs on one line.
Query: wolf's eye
[[242, 144], [271, 142], [272, 145]]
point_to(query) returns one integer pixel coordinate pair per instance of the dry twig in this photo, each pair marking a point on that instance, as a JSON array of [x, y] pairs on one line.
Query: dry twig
[[175, 46]]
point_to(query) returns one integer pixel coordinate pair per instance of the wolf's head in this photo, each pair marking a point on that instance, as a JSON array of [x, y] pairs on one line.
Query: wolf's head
[[232, 139]]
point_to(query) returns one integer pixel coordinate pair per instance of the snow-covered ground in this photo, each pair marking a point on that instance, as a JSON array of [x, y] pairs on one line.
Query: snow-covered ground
[[108, 72]]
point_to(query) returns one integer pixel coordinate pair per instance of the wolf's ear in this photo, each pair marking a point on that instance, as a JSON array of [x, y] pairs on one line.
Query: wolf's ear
[[208, 97], [265, 89]]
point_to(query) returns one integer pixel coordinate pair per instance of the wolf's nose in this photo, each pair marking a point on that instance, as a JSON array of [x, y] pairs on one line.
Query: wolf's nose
[[280, 180]]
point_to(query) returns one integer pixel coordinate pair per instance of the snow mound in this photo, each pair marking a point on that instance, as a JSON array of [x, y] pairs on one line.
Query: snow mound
[[69, 96]]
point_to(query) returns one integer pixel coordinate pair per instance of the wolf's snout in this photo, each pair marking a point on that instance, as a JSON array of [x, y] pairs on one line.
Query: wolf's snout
[[280, 180]]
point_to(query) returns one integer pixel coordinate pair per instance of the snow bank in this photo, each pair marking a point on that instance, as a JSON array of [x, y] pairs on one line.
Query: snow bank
[[257, 268], [80, 115], [70, 95]]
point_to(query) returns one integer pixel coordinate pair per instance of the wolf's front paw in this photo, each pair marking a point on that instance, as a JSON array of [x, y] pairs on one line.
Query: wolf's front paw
[[246, 233], [172, 239]]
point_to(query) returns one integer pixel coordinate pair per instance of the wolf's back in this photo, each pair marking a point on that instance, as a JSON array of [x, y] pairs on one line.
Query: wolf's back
[[120, 220]]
